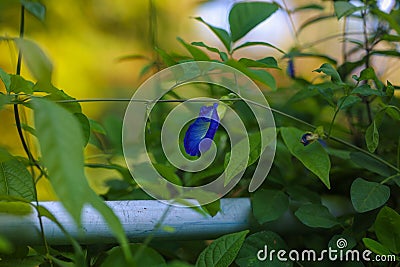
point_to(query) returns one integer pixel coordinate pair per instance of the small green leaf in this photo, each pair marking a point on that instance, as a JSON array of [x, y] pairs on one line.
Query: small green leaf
[[371, 164], [29, 261], [268, 62], [302, 194], [244, 16], [35, 8], [60, 137], [393, 112], [168, 60], [268, 205], [344, 9], [372, 137], [5, 246], [15, 180], [262, 76], [264, 240], [4, 100], [20, 85], [197, 53], [367, 196], [5, 77], [36, 60], [390, 18], [387, 229], [222, 251], [148, 257], [330, 71], [375, 246], [240, 162], [212, 208], [308, 7], [347, 101], [314, 156], [85, 126], [247, 44], [220, 33], [316, 215], [15, 208], [366, 90], [222, 55]]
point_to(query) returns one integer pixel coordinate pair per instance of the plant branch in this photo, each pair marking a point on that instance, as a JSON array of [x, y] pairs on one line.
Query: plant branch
[[22, 138]]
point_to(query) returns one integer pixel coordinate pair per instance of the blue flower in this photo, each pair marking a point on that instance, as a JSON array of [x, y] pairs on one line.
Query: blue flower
[[309, 138], [201, 132]]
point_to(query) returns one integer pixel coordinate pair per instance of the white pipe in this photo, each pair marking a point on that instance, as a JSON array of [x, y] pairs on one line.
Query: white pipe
[[138, 217]]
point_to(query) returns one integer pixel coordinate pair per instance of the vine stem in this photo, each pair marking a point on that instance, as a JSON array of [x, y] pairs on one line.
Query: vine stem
[[23, 141], [276, 111]]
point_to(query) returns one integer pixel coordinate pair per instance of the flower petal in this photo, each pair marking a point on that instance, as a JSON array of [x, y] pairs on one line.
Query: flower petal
[[203, 128]]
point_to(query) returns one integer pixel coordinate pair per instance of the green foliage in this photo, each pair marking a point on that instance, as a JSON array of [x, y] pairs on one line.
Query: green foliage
[[222, 251], [346, 95]]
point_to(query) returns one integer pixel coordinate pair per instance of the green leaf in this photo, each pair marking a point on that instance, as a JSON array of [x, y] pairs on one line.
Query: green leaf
[[60, 136], [387, 229], [247, 44], [262, 76], [15, 208], [316, 215], [393, 112], [59, 96], [168, 60], [15, 180], [197, 53], [372, 137], [254, 243], [19, 84], [371, 164], [302, 194], [212, 208], [330, 71], [220, 33], [294, 54], [388, 17], [313, 20], [366, 90], [5, 246], [344, 9], [240, 162], [5, 77], [148, 257], [36, 60], [222, 251], [30, 261], [222, 55], [267, 62], [4, 100], [308, 7], [367, 196], [35, 8], [244, 16], [268, 205], [369, 74], [85, 126], [375, 246], [314, 157], [347, 101]]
